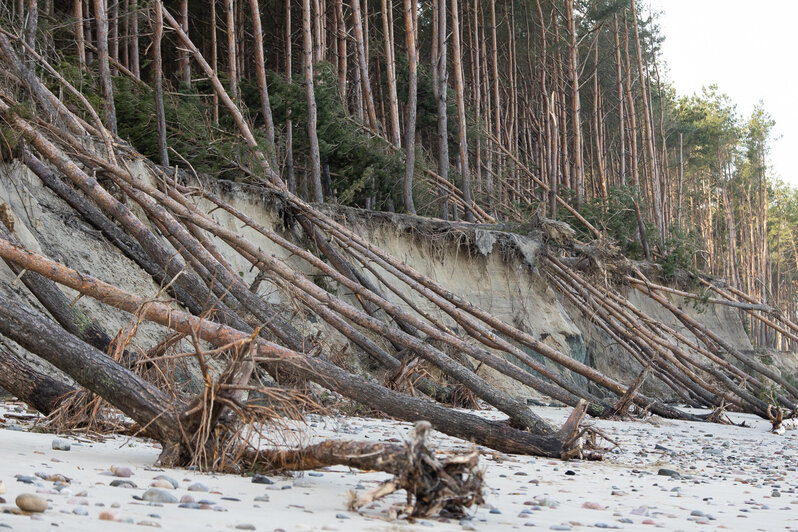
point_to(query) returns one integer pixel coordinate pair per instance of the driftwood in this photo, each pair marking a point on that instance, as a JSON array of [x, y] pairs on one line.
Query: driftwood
[[452, 483]]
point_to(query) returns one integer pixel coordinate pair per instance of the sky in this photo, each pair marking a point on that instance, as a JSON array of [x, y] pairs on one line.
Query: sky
[[748, 48]]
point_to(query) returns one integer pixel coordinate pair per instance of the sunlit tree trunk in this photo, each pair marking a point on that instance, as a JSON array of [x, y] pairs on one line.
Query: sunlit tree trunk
[[307, 67], [390, 70], [157, 35], [440, 78], [106, 89], [459, 88], [410, 8], [232, 59], [362, 61]]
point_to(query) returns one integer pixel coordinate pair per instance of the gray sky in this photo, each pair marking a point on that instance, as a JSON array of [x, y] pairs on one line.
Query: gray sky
[[748, 48]]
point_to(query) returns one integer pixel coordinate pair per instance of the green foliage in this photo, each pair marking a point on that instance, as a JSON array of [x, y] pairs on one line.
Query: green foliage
[[361, 164], [678, 251]]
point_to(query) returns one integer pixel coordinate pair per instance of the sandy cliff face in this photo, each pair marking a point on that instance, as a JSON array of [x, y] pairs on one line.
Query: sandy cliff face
[[494, 270]]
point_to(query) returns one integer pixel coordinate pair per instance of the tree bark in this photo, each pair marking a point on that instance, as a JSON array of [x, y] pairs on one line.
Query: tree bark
[[410, 7], [160, 115], [307, 67], [260, 70], [459, 87], [92, 369], [362, 60], [106, 89], [36, 389]]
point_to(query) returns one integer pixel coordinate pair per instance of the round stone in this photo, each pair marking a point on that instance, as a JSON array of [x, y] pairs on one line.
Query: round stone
[[61, 445], [158, 495], [29, 502]]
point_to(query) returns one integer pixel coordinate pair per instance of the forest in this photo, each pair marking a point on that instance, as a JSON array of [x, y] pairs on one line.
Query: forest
[[495, 115], [481, 111]]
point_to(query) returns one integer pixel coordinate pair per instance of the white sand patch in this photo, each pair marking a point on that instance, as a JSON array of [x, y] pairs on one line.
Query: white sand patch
[[738, 478]]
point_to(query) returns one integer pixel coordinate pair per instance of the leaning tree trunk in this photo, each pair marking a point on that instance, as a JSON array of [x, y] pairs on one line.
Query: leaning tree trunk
[[34, 388], [92, 369]]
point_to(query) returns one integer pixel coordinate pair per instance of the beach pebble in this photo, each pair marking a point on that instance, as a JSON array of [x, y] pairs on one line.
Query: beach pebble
[[149, 523], [261, 479], [669, 473], [123, 484], [341, 516], [245, 526], [592, 506], [61, 445], [262, 498], [79, 510], [697, 513], [170, 480], [190, 505], [186, 498], [2, 487], [29, 502], [198, 486], [122, 471], [109, 516], [158, 495], [162, 484], [25, 479]]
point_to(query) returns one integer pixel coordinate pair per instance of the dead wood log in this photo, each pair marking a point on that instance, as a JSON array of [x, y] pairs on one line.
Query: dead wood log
[[297, 281], [452, 483], [617, 309], [166, 259], [497, 435], [95, 371], [36, 389], [69, 316], [562, 391], [116, 236], [705, 334]]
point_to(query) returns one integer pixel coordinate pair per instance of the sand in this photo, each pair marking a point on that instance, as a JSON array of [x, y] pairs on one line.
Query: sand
[[730, 477]]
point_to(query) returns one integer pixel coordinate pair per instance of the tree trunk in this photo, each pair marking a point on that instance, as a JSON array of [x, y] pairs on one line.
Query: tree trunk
[[77, 10], [410, 7], [578, 171], [232, 56], [36, 389], [92, 369], [289, 124], [307, 67], [440, 79], [134, 42], [459, 87], [362, 61], [160, 115], [214, 60], [260, 70], [106, 89]]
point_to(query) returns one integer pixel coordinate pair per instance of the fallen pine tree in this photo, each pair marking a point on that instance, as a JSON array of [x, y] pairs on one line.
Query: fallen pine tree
[[176, 241]]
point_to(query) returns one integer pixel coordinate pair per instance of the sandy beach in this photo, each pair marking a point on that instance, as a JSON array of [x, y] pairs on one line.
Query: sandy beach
[[664, 474]]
